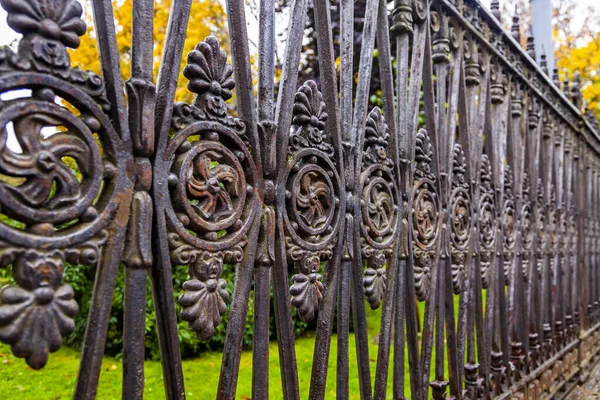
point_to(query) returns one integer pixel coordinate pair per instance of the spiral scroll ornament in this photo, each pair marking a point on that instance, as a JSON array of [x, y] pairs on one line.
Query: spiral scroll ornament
[[509, 224], [211, 181], [312, 192], [425, 215], [527, 227], [59, 176], [540, 227], [487, 220], [460, 219], [378, 206], [553, 224], [572, 236]]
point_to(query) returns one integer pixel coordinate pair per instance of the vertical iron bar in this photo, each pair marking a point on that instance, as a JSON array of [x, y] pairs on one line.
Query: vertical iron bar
[[434, 317], [355, 156], [246, 105], [346, 84], [332, 269], [161, 277], [456, 330], [142, 132], [410, 123], [108, 50], [134, 329], [95, 334], [283, 120], [387, 315], [97, 323]]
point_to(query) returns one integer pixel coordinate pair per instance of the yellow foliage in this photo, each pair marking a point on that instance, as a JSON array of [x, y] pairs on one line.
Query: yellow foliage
[[585, 59], [207, 17]]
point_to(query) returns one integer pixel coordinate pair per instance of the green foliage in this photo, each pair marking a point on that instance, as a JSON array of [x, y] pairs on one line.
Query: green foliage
[[81, 278]]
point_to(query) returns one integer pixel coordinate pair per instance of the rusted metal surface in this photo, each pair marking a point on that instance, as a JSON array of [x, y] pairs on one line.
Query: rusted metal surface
[[486, 212]]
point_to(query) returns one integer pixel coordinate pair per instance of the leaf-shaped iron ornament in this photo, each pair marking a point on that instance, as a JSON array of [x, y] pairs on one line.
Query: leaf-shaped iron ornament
[[307, 289], [460, 218], [487, 220], [378, 206], [48, 28], [211, 181], [205, 297], [210, 76], [425, 215], [310, 117], [377, 140], [374, 280], [312, 192], [35, 315]]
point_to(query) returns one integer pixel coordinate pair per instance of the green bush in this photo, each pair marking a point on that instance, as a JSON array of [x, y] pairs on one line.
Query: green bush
[[81, 278]]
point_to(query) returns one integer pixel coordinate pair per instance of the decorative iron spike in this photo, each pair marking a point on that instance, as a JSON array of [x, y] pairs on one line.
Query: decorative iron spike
[[590, 116], [576, 95], [555, 78], [495, 7], [531, 43], [543, 61], [566, 84], [516, 27], [441, 42], [402, 18]]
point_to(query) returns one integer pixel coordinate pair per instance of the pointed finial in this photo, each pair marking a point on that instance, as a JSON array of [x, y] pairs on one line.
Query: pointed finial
[[516, 28], [576, 95], [555, 78], [566, 88], [495, 8], [588, 113], [543, 62], [531, 43], [590, 116]]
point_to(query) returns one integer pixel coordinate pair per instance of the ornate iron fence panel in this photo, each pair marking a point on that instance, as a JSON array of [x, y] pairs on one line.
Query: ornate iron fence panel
[[489, 203]]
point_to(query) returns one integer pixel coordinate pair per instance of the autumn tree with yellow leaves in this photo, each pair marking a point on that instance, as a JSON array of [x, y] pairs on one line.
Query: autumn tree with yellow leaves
[[207, 17], [576, 41]]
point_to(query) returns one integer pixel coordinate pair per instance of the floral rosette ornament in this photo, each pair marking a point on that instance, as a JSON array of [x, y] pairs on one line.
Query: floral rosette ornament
[[425, 215], [509, 224], [379, 216], [487, 220], [527, 227], [460, 218], [311, 199], [540, 227], [211, 185]]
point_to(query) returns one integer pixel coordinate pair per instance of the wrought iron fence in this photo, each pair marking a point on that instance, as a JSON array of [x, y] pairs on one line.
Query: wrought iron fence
[[492, 202]]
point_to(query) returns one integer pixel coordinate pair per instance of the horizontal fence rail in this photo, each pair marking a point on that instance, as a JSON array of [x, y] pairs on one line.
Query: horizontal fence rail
[[466, 207]]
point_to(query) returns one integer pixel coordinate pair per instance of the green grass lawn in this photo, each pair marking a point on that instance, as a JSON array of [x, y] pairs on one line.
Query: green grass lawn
[[57, 379]]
